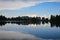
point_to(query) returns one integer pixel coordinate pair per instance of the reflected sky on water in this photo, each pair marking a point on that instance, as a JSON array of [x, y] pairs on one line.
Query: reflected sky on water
[[43, 31]]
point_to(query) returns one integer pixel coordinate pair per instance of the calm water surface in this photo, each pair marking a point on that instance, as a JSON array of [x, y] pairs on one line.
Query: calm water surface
[[31, 31]]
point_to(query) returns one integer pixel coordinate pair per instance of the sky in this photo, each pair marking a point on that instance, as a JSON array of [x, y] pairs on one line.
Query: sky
[[45, 8], [10, 35]]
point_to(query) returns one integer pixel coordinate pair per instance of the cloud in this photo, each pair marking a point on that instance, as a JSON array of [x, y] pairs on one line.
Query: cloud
[[19, 4], [16, 5], [29, 0], [10, 35]]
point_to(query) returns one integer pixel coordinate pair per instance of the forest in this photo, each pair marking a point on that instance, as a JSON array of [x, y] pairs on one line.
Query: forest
[[25, 20]]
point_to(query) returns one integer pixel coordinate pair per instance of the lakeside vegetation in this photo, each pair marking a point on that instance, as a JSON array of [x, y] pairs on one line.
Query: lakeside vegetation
[[25, 20]]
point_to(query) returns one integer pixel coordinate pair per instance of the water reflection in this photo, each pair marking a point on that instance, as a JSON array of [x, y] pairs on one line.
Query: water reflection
[[31, 23], [11, 35], [40, 31]]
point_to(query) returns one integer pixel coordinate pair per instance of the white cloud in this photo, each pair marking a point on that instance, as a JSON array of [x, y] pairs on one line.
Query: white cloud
[[18, 4], [10, 35]]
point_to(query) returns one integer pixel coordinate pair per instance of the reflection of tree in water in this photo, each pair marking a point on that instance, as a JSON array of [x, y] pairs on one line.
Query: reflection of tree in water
[[55, 24], [54, 20], [2, 23], [20, 23], [27, 23]]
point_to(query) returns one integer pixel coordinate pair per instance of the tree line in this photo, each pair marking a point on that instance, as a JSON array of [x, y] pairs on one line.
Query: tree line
[[23, 18], [54, 20]]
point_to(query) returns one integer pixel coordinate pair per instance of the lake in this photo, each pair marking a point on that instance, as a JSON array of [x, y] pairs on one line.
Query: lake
[[45, 31]]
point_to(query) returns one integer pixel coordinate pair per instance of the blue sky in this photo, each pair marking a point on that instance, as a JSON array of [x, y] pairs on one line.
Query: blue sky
[[21, 8]]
